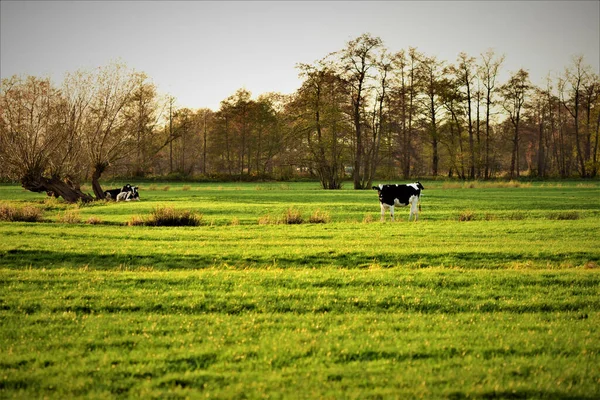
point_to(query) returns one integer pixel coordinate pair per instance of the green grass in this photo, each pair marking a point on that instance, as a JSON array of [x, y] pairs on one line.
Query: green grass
[[503, 305]]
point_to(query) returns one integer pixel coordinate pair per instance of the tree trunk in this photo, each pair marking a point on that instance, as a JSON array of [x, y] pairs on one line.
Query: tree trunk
[[54, 186], [99, 168]]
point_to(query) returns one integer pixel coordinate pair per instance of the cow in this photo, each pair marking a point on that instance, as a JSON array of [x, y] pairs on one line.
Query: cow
[[132, 194], [400, 195], [113, 193]]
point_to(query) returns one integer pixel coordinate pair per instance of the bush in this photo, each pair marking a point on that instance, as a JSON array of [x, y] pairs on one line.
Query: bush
[[20, 214], [168, 216]]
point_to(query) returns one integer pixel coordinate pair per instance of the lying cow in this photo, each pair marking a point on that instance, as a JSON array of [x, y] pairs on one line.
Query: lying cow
[[130, 195], [400, 195], [114, 193]]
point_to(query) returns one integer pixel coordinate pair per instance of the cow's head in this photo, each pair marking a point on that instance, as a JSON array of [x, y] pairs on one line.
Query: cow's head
[[420, 186]]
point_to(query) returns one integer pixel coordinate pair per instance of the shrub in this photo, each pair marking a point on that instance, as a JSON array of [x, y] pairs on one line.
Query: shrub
[[153, 187], [292, 216], [20, 214], [319, 217], [168, 216], [186, 188]]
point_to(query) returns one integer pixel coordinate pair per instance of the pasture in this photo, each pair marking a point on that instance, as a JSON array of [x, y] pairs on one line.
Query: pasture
[[494, 293]]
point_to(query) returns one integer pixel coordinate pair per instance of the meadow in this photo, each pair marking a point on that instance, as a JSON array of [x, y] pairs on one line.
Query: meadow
[[494, 293]]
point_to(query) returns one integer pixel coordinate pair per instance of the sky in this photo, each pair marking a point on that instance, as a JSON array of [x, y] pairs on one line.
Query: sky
[[202, 52]]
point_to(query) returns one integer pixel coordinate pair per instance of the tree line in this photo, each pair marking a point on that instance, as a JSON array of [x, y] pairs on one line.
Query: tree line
[[361, 113]]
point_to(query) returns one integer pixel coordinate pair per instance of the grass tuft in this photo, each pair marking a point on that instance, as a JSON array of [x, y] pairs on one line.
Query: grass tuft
[[564, 215], [466, 215], [292, 216], [168, 216], [93, 220], [267, 220], [20, 214], [69, 217], [368, 219], [319, 217], [135, 220]]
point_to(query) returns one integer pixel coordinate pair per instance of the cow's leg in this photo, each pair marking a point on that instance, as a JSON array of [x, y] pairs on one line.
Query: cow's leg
[[392, 212], [382, 212], [414, 210]]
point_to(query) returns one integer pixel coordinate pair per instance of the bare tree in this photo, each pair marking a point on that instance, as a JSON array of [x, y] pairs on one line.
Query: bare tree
[[431, 73], [514, 93], [105, 133], [488, 71], [466, 74], [358, 58], [38, 138]]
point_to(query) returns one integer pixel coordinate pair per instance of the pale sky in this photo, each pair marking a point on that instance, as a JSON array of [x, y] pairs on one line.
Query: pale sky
[[201, 52]]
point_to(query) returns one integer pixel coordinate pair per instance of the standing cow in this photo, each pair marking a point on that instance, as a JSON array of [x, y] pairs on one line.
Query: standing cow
[[400, 195]]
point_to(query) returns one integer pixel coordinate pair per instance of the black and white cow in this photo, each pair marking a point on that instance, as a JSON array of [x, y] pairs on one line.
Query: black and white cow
[[400, 195], [130, 195], [114, 193]]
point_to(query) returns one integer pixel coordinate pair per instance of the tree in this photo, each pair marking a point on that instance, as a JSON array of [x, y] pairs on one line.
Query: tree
[[404, 109], [105, 133], [514, 93], [465, 74], [488, 71], [38, 138], [431, 78], [358, 58], [318, 105]]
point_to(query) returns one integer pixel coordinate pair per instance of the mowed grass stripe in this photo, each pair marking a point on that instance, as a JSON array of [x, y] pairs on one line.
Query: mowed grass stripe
[[299, 291], [475, 244]]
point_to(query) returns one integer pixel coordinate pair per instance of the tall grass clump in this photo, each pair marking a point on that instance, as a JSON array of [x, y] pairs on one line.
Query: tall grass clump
[[267, 220], [485, 185], [319, 217], [20, 214], [368, 219], [93, 220], [168, 216], [292, 216], [564, 215], [466, 215], [69, 217]]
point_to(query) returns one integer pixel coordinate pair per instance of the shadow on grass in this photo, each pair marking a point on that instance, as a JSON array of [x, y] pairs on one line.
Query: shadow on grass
[[19, 259]]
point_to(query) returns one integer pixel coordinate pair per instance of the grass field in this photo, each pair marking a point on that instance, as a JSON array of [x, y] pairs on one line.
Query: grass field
[[494, 293]]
